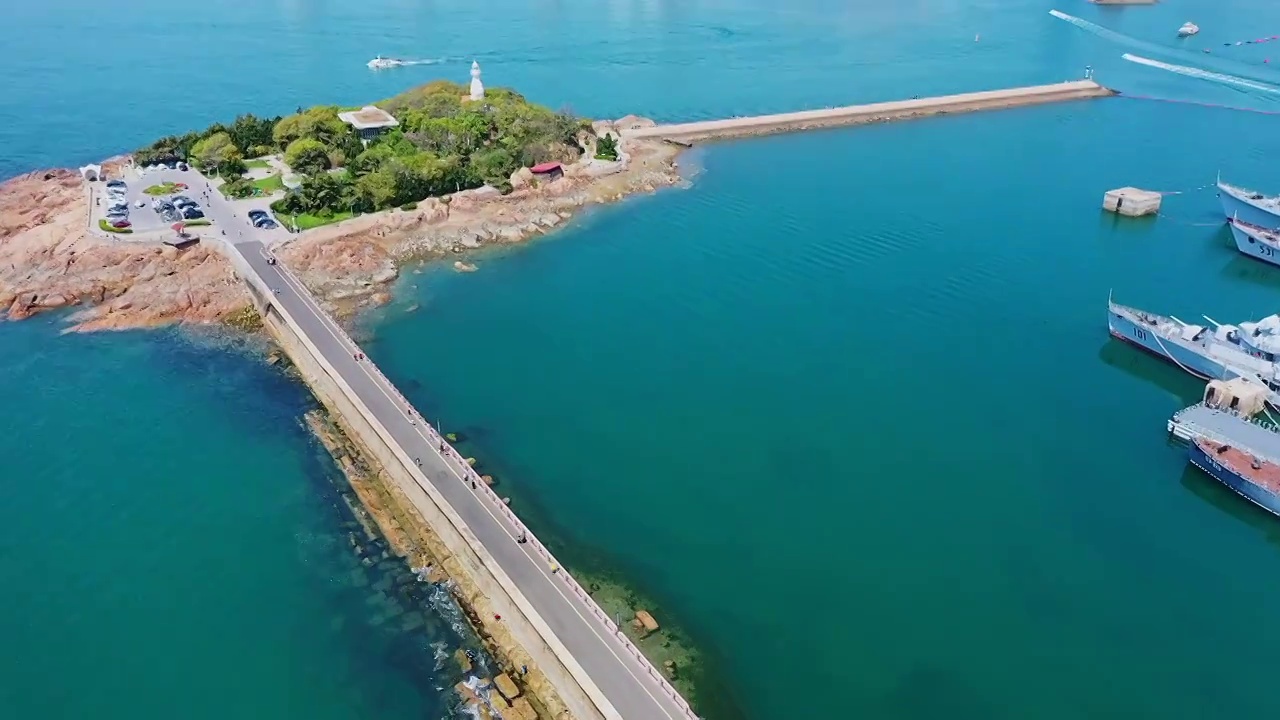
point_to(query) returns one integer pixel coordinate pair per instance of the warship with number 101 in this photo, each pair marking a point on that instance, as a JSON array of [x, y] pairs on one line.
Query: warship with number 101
[[1249, 350]]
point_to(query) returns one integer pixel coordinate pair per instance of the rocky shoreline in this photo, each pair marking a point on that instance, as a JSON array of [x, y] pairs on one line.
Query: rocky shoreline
[[51, 260]]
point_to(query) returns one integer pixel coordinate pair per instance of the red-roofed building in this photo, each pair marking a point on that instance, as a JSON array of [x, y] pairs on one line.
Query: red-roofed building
[[547, 171]]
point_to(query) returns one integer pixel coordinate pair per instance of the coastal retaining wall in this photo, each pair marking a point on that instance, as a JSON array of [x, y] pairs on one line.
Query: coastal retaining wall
[[874, 112], [557, 679]]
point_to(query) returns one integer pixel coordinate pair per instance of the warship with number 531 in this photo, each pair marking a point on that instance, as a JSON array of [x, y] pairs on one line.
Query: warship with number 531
[[1221, 352]]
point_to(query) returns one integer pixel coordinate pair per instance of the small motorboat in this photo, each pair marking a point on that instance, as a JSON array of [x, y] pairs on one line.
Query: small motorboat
[[1188, 29], [382, 63]]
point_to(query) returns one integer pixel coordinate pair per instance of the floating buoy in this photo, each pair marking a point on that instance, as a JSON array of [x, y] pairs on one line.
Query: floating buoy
[[975, 37]]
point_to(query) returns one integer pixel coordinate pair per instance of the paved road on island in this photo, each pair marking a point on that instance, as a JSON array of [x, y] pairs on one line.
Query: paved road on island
[[229, 218], [624, 680]]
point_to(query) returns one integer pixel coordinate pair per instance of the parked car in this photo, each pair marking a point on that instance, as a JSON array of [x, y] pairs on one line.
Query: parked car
[[116, 184], [121, 224], [183, 166], [269, 224], [169, 216], [115, 195], [140, 203], [181, 198], [255, 214], [191, 214]]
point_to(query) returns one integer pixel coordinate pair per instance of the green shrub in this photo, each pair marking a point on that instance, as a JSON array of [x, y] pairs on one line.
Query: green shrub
[[409, 206], [237, 188], [162, 189], [102, 223], [606, 147]]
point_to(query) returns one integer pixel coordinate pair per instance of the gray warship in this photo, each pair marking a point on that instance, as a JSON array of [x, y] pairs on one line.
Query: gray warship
[[1221, 352]]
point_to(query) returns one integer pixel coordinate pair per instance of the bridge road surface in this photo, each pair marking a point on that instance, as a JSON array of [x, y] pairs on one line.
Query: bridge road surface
[[619, 676]]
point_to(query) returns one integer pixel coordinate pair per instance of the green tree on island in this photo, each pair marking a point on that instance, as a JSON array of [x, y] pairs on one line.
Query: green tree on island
[[444, 143], [215, 151], [250, 133], [307, 156], [606, 147]]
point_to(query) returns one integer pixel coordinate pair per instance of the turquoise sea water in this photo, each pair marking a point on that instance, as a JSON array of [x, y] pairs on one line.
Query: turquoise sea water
[[846, 408], [173, 545]]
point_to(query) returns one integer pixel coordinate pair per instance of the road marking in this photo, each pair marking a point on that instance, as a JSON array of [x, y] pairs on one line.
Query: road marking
[[313, 307]]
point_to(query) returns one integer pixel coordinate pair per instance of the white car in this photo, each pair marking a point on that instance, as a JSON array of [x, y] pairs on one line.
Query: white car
[[140, 203]]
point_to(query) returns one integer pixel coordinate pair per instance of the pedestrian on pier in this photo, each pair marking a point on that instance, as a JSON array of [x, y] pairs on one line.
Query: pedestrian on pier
[[473, 483], [523, 538]]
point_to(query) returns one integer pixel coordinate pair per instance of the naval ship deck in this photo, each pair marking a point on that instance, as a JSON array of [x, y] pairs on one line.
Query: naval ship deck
[[1224, 428], [1266, 475]]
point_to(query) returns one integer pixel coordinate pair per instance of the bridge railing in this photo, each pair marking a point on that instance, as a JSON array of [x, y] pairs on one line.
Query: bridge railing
[[469, 474]]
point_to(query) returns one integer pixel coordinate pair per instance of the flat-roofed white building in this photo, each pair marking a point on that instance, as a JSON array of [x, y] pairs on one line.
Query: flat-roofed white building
[[369, 121]]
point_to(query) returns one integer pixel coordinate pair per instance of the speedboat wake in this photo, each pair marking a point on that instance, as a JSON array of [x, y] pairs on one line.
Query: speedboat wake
[[1221, 78]]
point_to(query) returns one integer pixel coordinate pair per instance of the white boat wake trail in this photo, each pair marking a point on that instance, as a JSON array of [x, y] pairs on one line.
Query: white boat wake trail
[[1111, 35], [1248, 81], [1203, 74]]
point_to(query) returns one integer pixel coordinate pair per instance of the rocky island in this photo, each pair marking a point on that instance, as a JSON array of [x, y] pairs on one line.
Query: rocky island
[[454, 173]]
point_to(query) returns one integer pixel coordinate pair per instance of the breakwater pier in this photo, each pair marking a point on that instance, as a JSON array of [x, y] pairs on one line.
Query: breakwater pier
[[873, 112]]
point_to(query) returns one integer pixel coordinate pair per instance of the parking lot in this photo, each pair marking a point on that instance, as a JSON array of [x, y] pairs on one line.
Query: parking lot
[[140, 210], [230, 217]]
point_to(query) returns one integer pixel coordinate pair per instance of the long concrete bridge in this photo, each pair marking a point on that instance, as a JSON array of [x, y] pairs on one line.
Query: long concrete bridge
[[594, 667], [873, 112]]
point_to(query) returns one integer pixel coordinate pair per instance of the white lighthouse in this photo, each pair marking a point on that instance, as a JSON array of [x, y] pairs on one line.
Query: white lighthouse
[[477, 87]]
